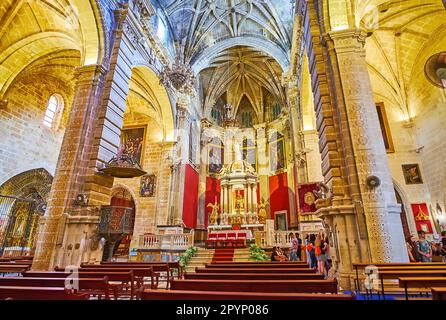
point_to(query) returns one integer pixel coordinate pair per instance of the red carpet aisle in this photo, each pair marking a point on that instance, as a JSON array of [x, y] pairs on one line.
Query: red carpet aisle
[[223, 255]]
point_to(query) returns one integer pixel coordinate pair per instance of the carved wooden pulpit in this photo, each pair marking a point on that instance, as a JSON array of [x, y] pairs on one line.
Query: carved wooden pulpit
[[115, 224]]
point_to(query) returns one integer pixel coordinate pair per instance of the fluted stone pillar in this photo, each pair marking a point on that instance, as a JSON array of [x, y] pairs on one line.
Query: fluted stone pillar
[[382, 213]]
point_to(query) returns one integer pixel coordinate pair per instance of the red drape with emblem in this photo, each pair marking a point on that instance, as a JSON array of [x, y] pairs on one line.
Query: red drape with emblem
[[307, 197], [422, 217]]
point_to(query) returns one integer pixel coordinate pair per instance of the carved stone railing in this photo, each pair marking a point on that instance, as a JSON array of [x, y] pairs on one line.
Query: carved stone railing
[[166, 242], [275, 239]]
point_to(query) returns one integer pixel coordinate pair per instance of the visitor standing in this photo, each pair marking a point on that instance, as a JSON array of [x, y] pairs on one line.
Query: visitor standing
[[423, 247], [443, 245], [410, 245]]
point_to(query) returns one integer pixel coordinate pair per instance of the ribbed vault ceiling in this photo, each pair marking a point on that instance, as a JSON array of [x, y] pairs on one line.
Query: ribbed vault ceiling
[[242, 71], [201, 24]]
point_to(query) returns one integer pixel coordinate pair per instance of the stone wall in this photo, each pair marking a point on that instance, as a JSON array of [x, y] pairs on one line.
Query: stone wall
[[150, 211], [26, 143]]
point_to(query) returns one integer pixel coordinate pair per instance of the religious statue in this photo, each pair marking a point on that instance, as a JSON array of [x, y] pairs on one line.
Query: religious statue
[[227, 112], [262, 211], [239, 203], [214, 214]]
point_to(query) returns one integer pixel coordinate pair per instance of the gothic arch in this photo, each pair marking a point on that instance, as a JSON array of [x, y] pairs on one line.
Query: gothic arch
[[71, 25], [203, 60], [146, 82], [25, 183]]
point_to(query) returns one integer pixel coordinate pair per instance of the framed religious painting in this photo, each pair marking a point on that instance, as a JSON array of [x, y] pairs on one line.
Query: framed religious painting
[[277, 152], [148, 185], [249, 153], [385, 128], [412, 173], [132, 143], [215, 156]]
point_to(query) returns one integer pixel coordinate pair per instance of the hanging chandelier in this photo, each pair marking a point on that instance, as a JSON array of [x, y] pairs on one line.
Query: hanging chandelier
[[179, 77]]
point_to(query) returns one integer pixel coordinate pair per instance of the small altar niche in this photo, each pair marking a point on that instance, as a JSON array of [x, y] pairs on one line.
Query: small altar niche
[[238, 198]]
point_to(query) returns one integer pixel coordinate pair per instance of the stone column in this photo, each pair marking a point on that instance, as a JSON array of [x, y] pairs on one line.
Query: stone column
[[91, 139], [222, 202], [183, 119], [249, 205], [246, 199], [90, 80], [254, 198], [230, 198], [382, 213]]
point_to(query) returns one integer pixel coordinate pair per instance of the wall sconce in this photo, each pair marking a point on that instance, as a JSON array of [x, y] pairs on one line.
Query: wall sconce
[[3, 104], [373, 182]]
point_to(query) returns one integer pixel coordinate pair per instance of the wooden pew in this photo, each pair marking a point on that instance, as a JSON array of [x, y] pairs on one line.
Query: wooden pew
[[168, 267], [39, 293], [140, 273], [119, 282], [361, 266], [258, 266], [229, 296], [13, 268], [254, 270], [254, 276], [289, 286], [421, 282], [175, 265], [92, 286], [404, 273], [438, 293]]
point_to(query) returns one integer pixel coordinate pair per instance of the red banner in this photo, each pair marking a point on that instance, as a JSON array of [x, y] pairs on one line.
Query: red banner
[[190, 202], [421, 215], [279, 200], [306, 197]]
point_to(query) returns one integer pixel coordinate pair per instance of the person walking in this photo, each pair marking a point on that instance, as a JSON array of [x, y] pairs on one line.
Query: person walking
[[299, 247], [307, 254], [311, 251], [423, 247], [319, 251], [294, 247]]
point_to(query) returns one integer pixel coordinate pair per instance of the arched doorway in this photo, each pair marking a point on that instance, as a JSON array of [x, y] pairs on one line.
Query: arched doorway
[[121, 200], [403, 215], [22, 202]]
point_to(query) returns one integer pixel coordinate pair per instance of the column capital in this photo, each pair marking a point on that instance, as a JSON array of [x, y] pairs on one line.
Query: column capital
[[90, 72], [348, 40]]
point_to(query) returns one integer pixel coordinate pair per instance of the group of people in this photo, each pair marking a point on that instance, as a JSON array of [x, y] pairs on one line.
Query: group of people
[[422, 250], [314, 249]]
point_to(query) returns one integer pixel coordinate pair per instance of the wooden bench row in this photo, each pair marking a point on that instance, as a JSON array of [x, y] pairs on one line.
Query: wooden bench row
[[393, 266], [222, 295], [39, 293], [388, 274], [92, 286], [253, 270], [269, 265], [254, 276]]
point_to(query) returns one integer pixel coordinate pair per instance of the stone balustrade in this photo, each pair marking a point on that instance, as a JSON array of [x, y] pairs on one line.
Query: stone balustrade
[[174, 242]]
